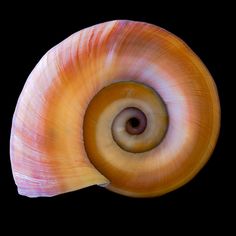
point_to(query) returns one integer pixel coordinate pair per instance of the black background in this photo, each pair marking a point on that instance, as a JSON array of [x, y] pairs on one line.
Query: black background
[[31, 32]]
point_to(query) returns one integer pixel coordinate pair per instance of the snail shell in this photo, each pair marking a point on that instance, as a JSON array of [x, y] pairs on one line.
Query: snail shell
[[125, 105]]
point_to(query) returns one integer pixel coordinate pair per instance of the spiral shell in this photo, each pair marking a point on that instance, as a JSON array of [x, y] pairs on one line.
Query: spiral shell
[[125, 105]]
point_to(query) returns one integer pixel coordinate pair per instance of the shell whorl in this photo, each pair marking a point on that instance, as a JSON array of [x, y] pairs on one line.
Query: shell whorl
[[51, 138]]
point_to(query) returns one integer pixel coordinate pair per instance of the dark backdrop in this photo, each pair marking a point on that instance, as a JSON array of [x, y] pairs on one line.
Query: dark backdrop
[[30, 33]]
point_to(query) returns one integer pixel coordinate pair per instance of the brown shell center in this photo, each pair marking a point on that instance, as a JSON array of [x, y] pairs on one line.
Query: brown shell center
[[137, 124]]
